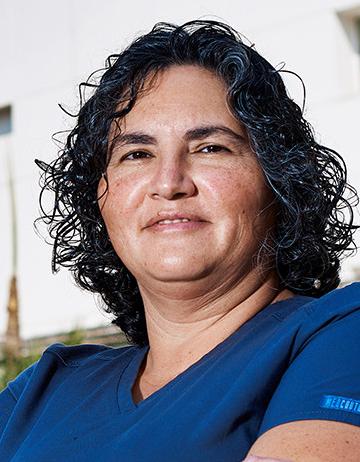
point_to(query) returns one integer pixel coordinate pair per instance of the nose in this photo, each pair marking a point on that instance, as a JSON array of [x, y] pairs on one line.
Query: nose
[[172, 179]]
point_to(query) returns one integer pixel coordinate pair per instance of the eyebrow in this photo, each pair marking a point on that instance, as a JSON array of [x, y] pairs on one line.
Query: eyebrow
[[193, 134], [208, 130]]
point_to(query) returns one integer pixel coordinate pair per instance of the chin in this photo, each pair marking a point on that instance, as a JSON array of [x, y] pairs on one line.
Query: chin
[[177, 272]]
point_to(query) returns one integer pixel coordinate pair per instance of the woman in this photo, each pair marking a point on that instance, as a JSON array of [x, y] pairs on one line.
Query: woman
[[192, 196]]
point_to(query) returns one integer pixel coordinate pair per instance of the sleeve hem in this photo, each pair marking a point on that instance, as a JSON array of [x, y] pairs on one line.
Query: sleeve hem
[[333, 415]]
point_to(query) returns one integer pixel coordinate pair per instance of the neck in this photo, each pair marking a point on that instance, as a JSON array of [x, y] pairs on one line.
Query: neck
[[182, 329]]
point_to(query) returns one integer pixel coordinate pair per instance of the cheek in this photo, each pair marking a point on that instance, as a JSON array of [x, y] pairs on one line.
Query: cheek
[[239, 197], [238, 192], [119, 206]]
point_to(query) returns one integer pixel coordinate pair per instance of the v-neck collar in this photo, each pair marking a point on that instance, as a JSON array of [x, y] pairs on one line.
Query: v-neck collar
[[125, 398]]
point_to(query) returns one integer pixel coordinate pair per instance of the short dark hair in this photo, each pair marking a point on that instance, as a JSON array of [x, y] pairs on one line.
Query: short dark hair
[[314, 222]]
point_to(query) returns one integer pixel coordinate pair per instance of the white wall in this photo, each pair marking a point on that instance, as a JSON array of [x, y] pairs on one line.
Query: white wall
[[48, 47]]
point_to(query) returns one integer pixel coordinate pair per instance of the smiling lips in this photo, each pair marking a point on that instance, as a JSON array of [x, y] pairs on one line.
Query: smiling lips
[[175, 220], [177, 225]]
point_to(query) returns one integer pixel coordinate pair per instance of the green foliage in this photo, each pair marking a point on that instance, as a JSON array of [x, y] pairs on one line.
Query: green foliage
[[10, 367], [75, 337]]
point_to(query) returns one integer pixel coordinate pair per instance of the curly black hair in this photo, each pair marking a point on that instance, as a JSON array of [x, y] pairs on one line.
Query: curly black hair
[[314, 222]]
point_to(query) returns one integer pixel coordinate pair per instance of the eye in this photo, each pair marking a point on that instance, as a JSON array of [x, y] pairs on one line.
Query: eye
[[211, 148], [135, 155]]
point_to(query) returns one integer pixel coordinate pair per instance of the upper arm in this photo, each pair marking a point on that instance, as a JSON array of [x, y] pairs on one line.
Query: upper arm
[[310, 441], [314, 414]]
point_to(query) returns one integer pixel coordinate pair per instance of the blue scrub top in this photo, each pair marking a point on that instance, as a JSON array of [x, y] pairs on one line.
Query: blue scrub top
[[297, 359]]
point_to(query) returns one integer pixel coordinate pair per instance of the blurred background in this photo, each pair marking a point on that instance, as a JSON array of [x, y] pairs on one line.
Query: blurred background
[[48, 47]]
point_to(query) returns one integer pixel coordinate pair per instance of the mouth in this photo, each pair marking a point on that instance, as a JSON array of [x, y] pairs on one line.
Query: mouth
[[177, 225], [169, 222], [172, 219]]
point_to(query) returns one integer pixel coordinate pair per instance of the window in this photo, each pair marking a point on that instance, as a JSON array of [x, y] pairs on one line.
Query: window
[[350, 20], [357, 32], [5, 120]]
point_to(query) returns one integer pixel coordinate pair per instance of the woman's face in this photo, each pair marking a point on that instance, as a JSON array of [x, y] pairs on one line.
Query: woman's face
[[182, 154]]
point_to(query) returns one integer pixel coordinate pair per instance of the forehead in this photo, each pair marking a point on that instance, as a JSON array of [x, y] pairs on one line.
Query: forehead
[[180, 97], [175, 78]]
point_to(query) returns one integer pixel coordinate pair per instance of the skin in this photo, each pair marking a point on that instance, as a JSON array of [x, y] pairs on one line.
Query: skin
[[198, 284], [263, 459], [309, 441]]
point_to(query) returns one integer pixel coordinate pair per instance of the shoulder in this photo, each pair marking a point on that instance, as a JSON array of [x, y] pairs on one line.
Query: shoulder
[[334, 310], [320, 378], [77, 355], [58, 361], [334, 306], [337, 303], [60, 371]]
